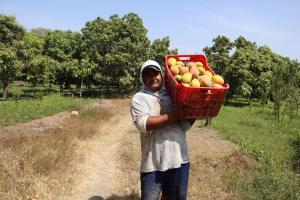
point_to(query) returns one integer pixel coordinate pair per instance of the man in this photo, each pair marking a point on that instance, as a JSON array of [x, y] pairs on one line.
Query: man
[[165, 161]]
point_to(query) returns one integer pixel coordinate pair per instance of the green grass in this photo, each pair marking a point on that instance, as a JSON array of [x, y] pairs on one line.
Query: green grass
[[27, 103], [275, 148]]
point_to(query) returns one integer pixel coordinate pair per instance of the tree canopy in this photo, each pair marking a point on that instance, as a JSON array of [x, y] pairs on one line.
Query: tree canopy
[[108, 53]]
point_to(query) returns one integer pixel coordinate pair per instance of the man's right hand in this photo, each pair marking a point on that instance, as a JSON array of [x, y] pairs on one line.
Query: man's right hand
[[155, 122]]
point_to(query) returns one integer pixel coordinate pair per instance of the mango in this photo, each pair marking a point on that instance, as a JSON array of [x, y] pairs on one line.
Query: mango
[[178, 77], [201, 70], [183, 70], [180, 63], [187, 77], [205, 81], [199, 64], [174, 70], [171, 61], [191, 64], [218, 79], [186, 85], [194, 71], [216, 85], [74, 113], [208, 73], [195, 83]]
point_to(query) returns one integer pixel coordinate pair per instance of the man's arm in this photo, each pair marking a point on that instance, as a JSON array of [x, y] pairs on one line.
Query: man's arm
[[155, 122]]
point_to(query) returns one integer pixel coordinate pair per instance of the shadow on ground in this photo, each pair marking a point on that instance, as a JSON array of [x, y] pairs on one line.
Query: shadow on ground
[[133, 196]]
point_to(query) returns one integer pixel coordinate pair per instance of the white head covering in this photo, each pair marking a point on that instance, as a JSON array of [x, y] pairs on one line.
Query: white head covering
[[150, 64], [153, 65]]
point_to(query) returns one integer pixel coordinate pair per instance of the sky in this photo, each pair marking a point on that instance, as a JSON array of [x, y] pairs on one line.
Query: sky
[[191, 25]]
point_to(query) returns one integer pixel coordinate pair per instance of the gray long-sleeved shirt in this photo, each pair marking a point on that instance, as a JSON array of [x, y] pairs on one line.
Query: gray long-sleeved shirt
[[164, 148]]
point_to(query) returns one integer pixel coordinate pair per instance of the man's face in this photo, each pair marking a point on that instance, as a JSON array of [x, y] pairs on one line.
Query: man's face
[[152, 79]]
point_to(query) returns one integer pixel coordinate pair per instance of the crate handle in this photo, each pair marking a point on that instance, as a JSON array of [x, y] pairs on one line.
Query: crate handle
[[184, 58]]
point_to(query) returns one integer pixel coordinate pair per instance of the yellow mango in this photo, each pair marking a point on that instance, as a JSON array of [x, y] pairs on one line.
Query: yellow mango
[[218, 79], [195, 83], [187, 77]]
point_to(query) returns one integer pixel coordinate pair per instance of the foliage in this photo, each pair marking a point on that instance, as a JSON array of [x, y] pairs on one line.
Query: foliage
[[61, 47], [40, 32], [107, 53], [286, 90], [8, 67], [28, 49], [255, 72], [117, 46], [275, 149], [38, 70], [218, 55], [159, 49], [11, 33]]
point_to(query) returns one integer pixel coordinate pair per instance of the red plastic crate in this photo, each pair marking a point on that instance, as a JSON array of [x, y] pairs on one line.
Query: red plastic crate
[[199, 103]]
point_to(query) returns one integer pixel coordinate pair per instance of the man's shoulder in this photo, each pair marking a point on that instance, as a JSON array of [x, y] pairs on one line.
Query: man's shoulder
[[140, 97]]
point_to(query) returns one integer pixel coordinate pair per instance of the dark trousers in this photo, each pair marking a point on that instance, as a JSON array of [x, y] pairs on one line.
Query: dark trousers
[[173, 183]]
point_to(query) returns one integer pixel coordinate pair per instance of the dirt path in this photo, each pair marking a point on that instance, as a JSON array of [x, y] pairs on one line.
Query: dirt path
[[101, 172], [106, 166], [110, 162]]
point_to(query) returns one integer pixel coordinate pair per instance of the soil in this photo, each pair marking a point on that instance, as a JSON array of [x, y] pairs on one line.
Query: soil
[[107, 165]]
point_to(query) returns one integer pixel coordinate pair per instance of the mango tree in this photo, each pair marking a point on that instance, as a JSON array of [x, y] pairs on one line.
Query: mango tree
[[218, 55], [286, 89], [160, 48], [9, 66], [11, 33], [239, 72], [118, 46], [29, 52], [61, 46], [40, 32]]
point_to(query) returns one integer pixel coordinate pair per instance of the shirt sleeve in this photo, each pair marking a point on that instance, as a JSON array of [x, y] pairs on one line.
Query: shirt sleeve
[[140, 112]]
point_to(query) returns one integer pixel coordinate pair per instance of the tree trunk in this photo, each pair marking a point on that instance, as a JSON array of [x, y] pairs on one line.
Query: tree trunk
[[5, 89], [61, 87], [81, 84]]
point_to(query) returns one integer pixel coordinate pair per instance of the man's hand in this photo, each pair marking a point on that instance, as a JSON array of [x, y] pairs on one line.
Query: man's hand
[[174, 115], [155, 122]]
